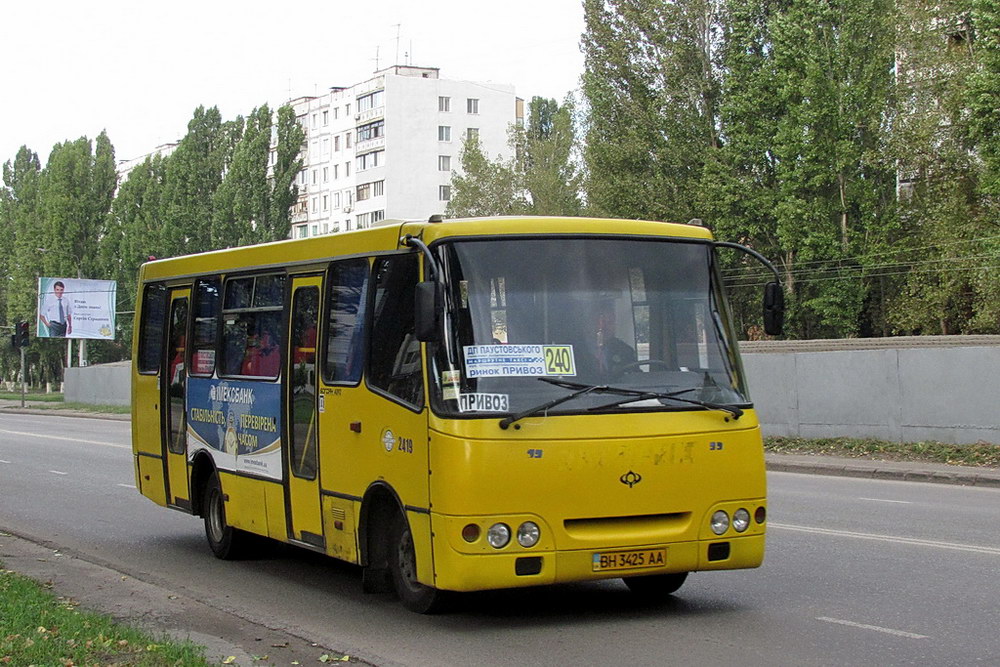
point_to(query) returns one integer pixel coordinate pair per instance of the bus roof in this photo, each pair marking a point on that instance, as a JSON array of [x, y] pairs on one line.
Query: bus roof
[[385, 237]]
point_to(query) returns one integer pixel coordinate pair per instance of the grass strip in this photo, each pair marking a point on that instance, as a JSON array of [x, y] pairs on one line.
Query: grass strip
[[86, 407], [16, 396], [980, 455], [38, 628]]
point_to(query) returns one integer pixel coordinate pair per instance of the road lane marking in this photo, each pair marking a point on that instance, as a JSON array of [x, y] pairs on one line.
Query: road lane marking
[[58, 472], [2, 461], [59, 437], [891, 538], [876, 628], [128, 486], [884, 500]]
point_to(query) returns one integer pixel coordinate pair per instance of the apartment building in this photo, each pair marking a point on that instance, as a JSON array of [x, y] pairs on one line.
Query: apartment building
[[386, 147]]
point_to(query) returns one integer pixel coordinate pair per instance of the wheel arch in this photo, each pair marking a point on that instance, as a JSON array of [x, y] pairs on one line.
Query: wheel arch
[[202, 467], [378, 507]]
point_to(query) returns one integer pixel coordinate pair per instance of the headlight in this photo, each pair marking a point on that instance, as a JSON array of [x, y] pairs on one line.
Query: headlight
[[720, 522], [470, 533], [498, 535], [528, 534], [741, 520]]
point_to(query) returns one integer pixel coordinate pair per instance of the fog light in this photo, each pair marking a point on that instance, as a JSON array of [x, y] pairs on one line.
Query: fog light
[[741, 520], [528, 534], [470, 533], [760, 514], [498, 535], [720, 522]]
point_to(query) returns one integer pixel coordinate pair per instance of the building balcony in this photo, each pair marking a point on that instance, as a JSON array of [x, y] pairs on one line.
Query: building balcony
[[372, 144]]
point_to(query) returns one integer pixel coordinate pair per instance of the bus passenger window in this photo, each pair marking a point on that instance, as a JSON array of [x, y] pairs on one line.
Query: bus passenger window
[[154, 310], [394, 360], [346, 323], [251, 327], [206, 318]]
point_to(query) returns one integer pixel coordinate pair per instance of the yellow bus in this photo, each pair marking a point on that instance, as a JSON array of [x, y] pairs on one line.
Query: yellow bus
[[458, 405]]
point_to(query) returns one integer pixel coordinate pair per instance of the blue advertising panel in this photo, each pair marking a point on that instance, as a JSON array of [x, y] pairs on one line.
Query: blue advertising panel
[[239, 423]]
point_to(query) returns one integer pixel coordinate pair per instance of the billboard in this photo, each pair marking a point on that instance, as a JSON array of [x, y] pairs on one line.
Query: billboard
[[76, 308]]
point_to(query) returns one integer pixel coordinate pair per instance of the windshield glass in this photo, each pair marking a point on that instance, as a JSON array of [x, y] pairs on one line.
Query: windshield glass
[[642, 315]]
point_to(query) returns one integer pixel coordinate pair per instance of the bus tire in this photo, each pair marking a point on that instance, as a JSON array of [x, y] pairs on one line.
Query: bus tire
[[414, 595], [655, 586], [226, 542]]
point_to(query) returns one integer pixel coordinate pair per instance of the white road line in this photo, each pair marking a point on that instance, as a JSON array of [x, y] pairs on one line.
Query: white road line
[[128, 486], [884, 500], [59, 437], [865, 626], [2, 461], [891, 538], [58, 472]]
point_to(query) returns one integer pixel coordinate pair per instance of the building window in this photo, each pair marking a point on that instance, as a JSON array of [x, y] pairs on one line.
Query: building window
[[472, 133], [378, 188], [336, 144], [363, 220], [347, 140], [444, 163], [315, 230], [371, 131], [303, 231], [336, 200], [315, 177], [336, 113], [315, 203], [444, 192], [364, 192], [370, 101], [326, 118], [325, 202], [347, 169], [378, 216], [444, 133], [472, 105], [326, 146], [336, 171], [444, 104], [314, 116], [347, 110], [371, 160], [326, 174]]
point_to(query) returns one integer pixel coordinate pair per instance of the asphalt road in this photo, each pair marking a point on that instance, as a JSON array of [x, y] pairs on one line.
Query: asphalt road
[[858, 572]]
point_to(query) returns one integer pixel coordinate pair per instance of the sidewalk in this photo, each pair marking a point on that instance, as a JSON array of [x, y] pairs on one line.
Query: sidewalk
[[909, 471]]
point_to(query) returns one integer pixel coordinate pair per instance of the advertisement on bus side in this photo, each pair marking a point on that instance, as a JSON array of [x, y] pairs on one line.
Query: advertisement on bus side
[[239, 423]]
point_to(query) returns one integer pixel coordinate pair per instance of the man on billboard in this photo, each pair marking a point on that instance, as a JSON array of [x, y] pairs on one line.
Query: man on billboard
[[56, 312]]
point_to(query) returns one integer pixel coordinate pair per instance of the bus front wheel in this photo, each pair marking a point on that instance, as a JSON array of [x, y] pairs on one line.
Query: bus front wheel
[[655, 586], [227, 543], [414, 595]]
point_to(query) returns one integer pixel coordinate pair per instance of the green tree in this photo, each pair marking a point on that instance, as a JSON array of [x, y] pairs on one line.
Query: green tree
[[287, 165], [651, 86], [485, 187], [546, 150]]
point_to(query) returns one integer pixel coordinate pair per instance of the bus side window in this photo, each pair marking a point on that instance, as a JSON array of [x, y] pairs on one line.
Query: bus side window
[[206, 319], [346, 321], [154, 311], [251, 327], [394, 361]]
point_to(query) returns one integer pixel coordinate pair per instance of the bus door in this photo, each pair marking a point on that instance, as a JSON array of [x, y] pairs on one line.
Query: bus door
[[174, 426], [305, 522]]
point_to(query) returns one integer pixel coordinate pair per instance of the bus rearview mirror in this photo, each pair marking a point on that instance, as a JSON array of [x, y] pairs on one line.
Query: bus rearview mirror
[[428, 305], [774, 309]]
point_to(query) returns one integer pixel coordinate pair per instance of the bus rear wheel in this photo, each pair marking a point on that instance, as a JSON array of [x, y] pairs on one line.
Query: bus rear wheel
[[655, 586], [414, 595], [226, 542]]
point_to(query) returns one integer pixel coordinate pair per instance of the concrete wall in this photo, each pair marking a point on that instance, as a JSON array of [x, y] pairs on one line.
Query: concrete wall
[[900, 389], [105, 384]]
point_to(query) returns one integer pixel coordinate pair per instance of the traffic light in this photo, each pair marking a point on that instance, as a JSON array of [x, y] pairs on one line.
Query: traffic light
[[22, 334]]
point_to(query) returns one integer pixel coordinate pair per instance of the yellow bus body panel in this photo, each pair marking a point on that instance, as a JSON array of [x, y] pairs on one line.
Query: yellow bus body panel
[[682, 466]]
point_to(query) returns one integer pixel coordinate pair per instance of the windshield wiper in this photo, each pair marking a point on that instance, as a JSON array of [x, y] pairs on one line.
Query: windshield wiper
[[580, 391], [638, 395]]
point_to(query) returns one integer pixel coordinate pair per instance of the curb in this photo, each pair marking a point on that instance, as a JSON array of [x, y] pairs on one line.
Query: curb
[[56, 412], [877, 470]]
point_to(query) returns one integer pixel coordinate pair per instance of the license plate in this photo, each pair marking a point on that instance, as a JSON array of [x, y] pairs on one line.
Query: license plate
[[635, 559]]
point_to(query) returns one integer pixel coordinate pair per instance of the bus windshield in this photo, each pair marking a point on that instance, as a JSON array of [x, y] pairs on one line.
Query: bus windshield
[[532, 320]]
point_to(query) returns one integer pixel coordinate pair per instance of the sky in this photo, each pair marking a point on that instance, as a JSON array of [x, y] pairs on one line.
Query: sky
[[139, 69]]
